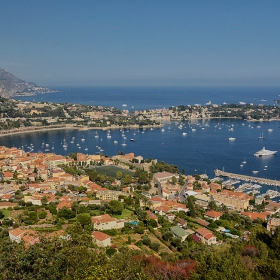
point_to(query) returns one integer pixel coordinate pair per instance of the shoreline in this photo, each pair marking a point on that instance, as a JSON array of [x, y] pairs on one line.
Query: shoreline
[[68, 127]]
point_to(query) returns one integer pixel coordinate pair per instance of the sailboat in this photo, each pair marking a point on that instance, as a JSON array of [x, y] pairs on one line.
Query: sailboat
[[261, 136]]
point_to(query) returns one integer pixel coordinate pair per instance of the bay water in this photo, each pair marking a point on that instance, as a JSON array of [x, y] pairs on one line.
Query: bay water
[[198, 146]]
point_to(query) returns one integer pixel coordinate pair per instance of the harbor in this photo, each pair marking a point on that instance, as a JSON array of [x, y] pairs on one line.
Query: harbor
[[247, 178]]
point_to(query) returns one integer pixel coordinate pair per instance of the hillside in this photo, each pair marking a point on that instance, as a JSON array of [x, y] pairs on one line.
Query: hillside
[[11, 85]]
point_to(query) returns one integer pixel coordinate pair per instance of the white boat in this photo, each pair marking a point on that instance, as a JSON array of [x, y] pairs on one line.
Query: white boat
[[96, 135], [184, 133], [115, 142], [263, 152], [231, 129], [255, 172], [261, 136], [231, 138], [83, 139], [270, 130], [123, 144], [244, 161]]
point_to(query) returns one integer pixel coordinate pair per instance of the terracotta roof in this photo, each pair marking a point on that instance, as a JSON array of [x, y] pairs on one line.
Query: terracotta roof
[[205, 233], [254, 215], [102, 219], [100, 235], [16, 232], [213, 214]]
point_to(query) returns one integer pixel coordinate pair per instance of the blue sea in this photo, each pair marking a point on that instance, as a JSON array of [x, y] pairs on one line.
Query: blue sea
[[204, 148], [141, 98]]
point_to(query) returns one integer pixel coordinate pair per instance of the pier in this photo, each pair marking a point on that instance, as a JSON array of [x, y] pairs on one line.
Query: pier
[[247, 178]]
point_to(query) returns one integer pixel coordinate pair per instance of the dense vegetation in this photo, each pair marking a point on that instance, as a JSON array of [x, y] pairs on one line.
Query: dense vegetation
[[78, 258]]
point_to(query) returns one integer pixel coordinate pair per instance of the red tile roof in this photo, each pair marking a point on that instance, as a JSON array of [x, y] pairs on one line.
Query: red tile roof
[[213, 214], [100, 235]]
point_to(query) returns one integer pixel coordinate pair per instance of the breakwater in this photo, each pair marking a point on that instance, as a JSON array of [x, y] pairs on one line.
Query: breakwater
[[247, 178]]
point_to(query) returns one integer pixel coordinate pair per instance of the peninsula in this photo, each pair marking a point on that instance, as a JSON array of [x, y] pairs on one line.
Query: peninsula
[[11, 85]]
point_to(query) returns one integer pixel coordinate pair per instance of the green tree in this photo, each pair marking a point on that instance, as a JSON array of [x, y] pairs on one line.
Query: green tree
[[119, 175], [116, 207], [84, 219], [66, 213], [174, 180], [212, 205], [155, 246], [191, 206]]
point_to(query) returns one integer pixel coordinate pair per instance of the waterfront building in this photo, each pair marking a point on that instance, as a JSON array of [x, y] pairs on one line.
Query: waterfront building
[[235, 200], [164, 177]]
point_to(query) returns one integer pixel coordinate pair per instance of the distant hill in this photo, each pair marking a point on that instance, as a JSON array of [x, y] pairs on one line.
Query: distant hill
[[11, 85]]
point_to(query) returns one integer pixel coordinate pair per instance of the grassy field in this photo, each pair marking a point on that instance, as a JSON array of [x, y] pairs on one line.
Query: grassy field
[[125, 214], [112, 170], [6, 213]]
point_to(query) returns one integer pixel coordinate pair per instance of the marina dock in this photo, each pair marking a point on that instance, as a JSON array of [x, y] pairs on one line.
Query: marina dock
[[247, 178]]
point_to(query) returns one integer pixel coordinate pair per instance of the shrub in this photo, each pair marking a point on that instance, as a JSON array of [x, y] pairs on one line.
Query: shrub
[[155, 246], [146, 240], [42, 215]]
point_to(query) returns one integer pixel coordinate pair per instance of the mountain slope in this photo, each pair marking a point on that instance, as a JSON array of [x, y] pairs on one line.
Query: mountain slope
[[11, 85]]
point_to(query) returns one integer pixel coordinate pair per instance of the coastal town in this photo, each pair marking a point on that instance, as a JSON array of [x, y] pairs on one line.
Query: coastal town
[[20, 116], [44, 193]]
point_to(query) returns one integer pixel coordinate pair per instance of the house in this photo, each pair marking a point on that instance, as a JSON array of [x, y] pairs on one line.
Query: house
[[178, 232], [206, 236], [64, 204], [164, 177], [272, 224], [182, 223], [4, 205], [254, 215], [16, 234], [54, 161], [213, 215], [101, 239], [105, 221], [7, 196], [108, 195]]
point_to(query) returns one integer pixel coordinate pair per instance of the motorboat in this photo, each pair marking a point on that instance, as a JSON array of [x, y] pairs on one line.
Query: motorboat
[[264, 152], [231, 138]]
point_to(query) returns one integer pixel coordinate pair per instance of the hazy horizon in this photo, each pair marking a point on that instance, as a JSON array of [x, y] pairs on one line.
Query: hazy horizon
[[142, 43]]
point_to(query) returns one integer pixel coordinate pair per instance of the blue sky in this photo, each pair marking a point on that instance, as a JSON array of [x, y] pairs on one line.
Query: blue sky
[[145, 42]]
